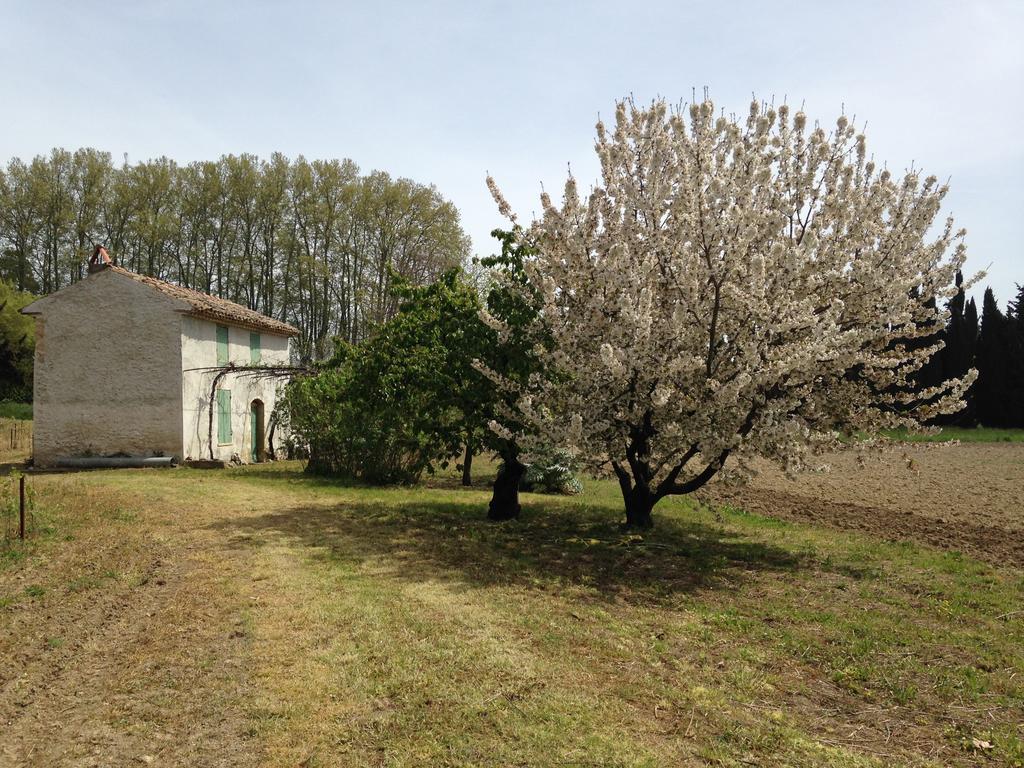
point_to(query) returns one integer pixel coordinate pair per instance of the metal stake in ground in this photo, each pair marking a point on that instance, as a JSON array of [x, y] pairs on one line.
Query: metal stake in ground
[[21, 507]]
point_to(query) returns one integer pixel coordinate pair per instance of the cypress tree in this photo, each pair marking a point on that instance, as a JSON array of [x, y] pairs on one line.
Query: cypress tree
[[1015, 308], [970, 355], [961, 336], [993, 385], [931, 372], [971, 327], [1015, 362]]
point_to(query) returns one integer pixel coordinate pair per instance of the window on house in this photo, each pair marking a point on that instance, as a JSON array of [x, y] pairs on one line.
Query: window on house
[[222, 345], [255, 351], [224, 416]]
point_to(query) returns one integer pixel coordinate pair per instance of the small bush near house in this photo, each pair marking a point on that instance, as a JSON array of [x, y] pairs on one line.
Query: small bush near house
[[368, 417]]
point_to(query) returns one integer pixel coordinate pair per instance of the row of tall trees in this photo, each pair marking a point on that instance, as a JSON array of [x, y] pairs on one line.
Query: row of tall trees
[[314, 243], [994, 345]]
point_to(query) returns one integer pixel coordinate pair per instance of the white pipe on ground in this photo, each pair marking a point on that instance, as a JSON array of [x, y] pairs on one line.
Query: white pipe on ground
[[96, 462]]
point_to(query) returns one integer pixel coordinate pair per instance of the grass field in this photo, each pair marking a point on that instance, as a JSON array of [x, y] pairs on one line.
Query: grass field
[[963, 434], [20, 411], [260, 617]]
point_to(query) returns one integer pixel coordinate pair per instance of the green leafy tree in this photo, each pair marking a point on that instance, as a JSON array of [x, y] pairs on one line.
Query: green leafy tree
[[512, 362], [426, 387], [17, 345], [446, 316], [21, 204], [405, 400]]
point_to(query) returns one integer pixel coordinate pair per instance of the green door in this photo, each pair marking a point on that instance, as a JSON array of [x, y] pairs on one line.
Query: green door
[[257, 432]]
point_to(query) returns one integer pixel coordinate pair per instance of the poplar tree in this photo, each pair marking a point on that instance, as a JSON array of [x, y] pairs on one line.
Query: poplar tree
[[311, 242]]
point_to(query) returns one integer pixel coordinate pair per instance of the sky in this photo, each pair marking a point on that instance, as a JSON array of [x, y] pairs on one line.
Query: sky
[[447, 92]]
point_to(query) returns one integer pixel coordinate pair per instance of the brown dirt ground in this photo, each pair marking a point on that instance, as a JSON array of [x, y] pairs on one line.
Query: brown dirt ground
[[967, 497], [128, 650]]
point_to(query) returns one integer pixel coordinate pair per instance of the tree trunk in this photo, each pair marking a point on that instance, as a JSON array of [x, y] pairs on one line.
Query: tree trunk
[[505, 499], [467, 466], [639, 503], [637, 497]]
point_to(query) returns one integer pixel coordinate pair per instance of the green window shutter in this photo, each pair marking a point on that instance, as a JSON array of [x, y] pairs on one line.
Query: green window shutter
[[224, 416], [222, 345], [255, 352]]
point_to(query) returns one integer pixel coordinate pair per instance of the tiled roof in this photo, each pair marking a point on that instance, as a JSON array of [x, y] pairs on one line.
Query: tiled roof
[[210, 307]]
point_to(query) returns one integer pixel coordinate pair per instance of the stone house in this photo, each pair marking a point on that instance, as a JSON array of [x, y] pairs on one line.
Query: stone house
[[126, 365]]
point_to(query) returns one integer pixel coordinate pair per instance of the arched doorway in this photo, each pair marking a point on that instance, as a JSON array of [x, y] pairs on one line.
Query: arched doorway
[[257, 432]]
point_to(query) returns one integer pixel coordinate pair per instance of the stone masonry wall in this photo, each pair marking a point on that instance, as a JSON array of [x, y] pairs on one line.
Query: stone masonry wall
[[107, 371]]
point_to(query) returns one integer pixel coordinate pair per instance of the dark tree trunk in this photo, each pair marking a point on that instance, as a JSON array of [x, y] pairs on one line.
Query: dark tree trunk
[[637, 497], [636, 478], [467, 466], [639, 503], [505, 499]]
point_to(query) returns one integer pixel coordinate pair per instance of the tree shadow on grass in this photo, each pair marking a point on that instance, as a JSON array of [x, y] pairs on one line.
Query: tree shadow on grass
[[552, 546], [447, 479]]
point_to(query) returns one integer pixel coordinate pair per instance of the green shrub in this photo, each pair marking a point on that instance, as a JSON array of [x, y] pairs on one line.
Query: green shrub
[[357, 427], [552, 470], [408, 398]]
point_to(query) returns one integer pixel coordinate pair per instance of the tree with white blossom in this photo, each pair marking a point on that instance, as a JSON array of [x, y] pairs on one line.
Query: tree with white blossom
[[732, 288]]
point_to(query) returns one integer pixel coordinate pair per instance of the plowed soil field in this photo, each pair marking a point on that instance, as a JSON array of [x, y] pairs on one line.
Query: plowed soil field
[[968, 496]]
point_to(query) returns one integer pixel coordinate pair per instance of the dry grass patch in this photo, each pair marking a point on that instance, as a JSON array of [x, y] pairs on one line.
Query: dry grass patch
[[15, 440]]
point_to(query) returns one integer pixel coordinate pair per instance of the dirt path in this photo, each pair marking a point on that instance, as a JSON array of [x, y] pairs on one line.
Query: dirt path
[[125, 645], [968, 497]]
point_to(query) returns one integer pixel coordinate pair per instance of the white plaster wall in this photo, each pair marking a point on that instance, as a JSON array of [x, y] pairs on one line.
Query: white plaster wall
[[107, 371], [199, 357]]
